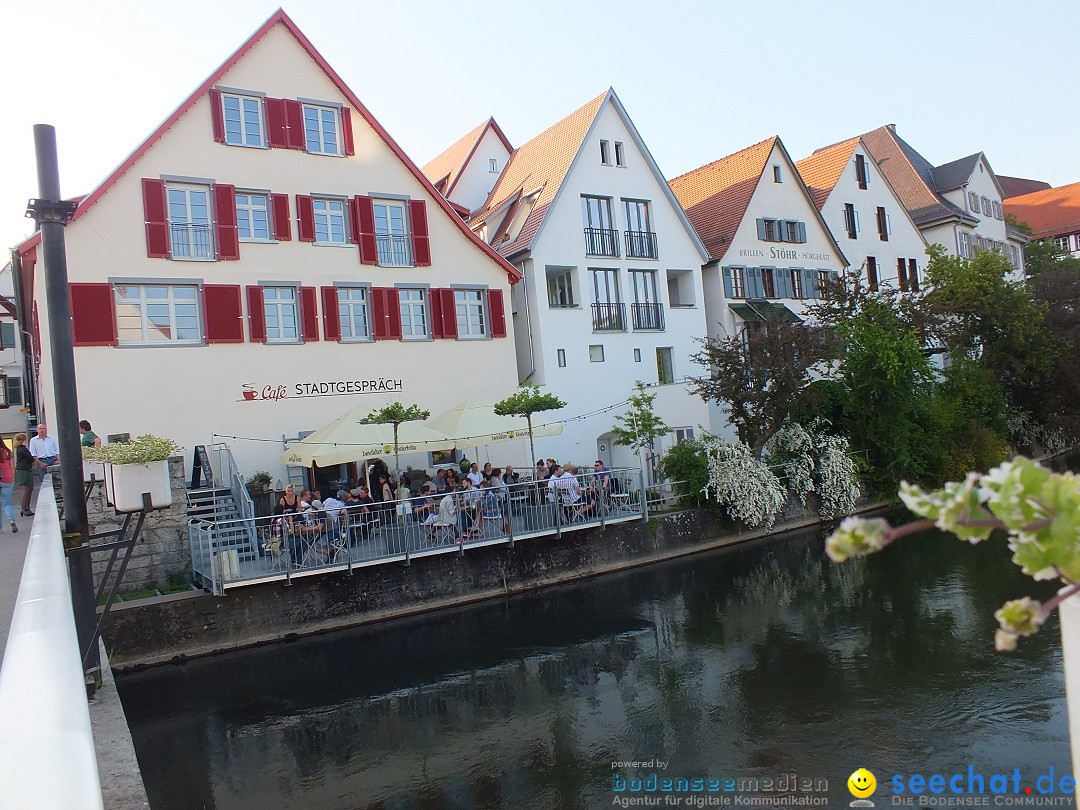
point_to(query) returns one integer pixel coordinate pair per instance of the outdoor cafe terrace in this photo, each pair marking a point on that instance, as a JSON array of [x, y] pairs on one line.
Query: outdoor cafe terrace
[[252, 550]]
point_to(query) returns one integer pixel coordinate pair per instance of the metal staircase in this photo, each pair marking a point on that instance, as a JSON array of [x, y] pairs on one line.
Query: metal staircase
[[221, 516]]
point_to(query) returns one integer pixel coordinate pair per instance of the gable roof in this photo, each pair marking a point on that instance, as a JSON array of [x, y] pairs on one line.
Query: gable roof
[[822, 169], [952, 175], [715, 196], [445, 170], [911, 176], [279, 17], [1018, 186], [542, 162], [1052, 212]]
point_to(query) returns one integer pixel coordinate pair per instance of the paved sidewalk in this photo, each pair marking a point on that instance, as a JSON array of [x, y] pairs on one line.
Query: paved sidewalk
[[12, 554]]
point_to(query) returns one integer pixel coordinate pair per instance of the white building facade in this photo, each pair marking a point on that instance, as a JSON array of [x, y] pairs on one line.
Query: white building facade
[[266, 261], [611, 292], [865, 216]]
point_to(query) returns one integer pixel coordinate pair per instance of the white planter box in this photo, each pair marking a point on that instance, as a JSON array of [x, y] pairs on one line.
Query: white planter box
[[125, 484], [95, 468], [1069, 614]]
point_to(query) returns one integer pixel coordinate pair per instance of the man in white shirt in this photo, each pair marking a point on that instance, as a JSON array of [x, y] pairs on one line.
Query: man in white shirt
[[332, 506], [44, 449], [474, 475]]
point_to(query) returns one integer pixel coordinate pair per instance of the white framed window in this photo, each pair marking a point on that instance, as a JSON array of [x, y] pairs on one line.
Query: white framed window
[[282, 314], [253, 217], [987, 209], [329, 221], [665, 369], [644, 284], [684, 434], [777, 177], [605, 153], [620, 154], [560, 284], [560, 355], [413, 303], [354, 313], [965, 245], [190, 223], [637, 355], [596, 353], [321, 128], [997, 209], [157, 314], [392, 234], [493, 165], [243, 116], [973, 202], [1063, 243], [471, 317], [605, 283]]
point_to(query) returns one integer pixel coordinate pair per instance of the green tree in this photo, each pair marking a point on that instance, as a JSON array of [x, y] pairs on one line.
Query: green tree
[[526, 401], [640, 426], [687, 465], [756, 375], [1057, 288], [395, 414]]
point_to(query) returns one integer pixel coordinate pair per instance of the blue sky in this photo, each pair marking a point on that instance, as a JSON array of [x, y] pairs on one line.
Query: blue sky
[[699, 79]]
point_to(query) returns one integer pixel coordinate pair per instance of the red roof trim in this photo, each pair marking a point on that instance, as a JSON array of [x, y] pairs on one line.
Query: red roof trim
[[281, 17]]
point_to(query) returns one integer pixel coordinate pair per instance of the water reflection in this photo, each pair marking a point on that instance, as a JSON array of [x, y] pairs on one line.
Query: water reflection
[[761, 660]]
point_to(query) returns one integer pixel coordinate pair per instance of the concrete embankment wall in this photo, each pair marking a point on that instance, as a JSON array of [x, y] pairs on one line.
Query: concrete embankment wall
[[166, 628]]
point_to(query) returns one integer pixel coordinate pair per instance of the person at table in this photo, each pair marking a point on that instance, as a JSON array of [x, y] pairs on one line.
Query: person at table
[[470, 505], [570, 494], [334, 504], [440, 480], [509, 477], [474, 475], [89, 438], [487, 472], [490, 503], [426, 507], [498, 484], [453, 481], [542, 472]]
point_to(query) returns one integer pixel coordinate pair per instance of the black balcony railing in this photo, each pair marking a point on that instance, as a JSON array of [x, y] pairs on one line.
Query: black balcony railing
[[601, 242], [647, 316], [609, 317], [190, 241], [640, 245], [394, 251]]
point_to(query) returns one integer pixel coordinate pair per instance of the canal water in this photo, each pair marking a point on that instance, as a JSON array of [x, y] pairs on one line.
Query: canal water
[[760, 661]]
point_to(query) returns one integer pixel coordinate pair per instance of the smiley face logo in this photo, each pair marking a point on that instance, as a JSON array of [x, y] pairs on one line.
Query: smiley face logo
[[862, 783]]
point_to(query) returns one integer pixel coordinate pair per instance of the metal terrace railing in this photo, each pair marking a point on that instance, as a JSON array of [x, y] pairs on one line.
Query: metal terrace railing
[[229, 554], [601, 242]]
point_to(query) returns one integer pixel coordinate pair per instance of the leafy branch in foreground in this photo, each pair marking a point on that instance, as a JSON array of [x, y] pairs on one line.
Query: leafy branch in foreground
[[1037, 508]]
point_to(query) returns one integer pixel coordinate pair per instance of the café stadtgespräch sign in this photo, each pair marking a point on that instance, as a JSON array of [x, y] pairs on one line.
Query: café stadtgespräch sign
[[251, 392]]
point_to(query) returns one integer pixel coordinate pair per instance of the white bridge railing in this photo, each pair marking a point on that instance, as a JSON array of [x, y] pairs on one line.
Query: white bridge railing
[[47, 757]]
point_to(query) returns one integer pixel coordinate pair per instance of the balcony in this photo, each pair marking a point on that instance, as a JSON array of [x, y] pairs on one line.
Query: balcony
[[641, 245], [647, 317], [394, 250], [609, 317], [601, 242], [190, 241]]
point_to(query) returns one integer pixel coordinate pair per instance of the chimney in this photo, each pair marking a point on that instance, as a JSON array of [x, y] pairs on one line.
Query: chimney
[[891, 128]]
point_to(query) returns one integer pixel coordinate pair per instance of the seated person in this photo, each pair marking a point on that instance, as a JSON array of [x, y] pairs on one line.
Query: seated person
[[509, 477], [425, 509], [570, 494], [490, 503], [474, 475], [440, 480], [497, 483], [470, 506], [487, 472]]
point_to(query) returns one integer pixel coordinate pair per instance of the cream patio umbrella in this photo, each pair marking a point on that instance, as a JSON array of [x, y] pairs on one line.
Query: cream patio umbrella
[[347, 439], [473, 423]]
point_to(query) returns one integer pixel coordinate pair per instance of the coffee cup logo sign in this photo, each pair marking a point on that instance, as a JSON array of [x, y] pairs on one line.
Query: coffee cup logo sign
[[251, 392]]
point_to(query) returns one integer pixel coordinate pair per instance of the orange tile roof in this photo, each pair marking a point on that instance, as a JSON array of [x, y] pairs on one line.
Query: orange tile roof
[[540, 163], [716, 195], [1052, 212], [822, 169], [910, 175], [445, 169]]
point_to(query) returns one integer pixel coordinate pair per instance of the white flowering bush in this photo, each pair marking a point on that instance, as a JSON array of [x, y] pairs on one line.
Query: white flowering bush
[[1026, 432], [744, 485], [815, 461], [140, 450], [1037, 508]]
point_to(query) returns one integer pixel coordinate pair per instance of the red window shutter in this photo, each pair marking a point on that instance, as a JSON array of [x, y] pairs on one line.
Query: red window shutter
[[282, 222], [420, 241], [294, 119], [155, 214], [346, 131], [217, 117], [35, 336], [93, 319], [394, 310], [309, 314], [331, 314], [497, 313], [387, 309], [277, 130], [435, 296], [223, 311], [449, 313], [305, 218], [901, 275], [256, 314], [225, 231], [365, 229]]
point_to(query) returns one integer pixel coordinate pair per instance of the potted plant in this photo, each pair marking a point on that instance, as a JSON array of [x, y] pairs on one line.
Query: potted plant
[[134, 467], [259, 481]]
